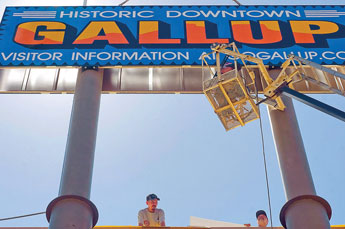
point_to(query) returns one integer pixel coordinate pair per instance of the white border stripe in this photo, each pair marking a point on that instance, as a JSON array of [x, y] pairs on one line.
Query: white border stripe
[[39, 11], [321, 16], [325, 14], [35, 13], [37, 17], [320, 11]]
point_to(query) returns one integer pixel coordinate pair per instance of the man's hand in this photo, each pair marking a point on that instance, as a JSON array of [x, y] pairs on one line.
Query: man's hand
[[146, 223]]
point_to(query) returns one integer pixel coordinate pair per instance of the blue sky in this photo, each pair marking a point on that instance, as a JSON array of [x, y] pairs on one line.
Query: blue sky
[[171, 145]]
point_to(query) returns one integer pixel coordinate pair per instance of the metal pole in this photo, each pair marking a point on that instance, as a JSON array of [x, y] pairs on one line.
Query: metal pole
[[73, 209], [304, 209]]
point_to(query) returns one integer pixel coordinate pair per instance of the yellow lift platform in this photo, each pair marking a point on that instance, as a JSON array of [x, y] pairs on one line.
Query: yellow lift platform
[[235, 100]]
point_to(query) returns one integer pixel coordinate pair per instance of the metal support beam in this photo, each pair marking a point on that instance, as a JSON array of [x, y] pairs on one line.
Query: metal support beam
[[313, 103], [73, 209], [318, 66], [304, 209]]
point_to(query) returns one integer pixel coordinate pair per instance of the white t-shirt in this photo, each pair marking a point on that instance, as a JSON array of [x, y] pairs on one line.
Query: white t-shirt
[[155, 218]]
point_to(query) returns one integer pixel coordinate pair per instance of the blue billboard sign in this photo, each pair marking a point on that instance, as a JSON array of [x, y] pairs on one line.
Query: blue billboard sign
[[168, 35]]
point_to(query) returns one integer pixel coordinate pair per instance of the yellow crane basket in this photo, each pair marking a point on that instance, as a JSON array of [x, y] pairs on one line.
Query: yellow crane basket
[[230, 100]]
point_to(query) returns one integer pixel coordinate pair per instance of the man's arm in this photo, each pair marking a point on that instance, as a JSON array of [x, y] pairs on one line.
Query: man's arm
[[162, 218], [140, 218]]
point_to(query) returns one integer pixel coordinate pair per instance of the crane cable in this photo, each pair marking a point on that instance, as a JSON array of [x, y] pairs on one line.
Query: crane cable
[[265, 165], [237, 2], [124, 2], [264, 154], [21, 216]]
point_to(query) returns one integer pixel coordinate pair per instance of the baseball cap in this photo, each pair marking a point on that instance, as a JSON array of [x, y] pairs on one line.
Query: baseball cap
[[152, 197], [260, 212]]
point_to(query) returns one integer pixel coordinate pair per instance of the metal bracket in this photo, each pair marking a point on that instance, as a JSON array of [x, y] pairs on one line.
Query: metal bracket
[[74, 197], [86, 68], [318, 199]]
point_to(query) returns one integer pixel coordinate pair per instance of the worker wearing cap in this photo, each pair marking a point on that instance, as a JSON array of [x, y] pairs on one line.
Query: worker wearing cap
[[261, 218], [151, 216]]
